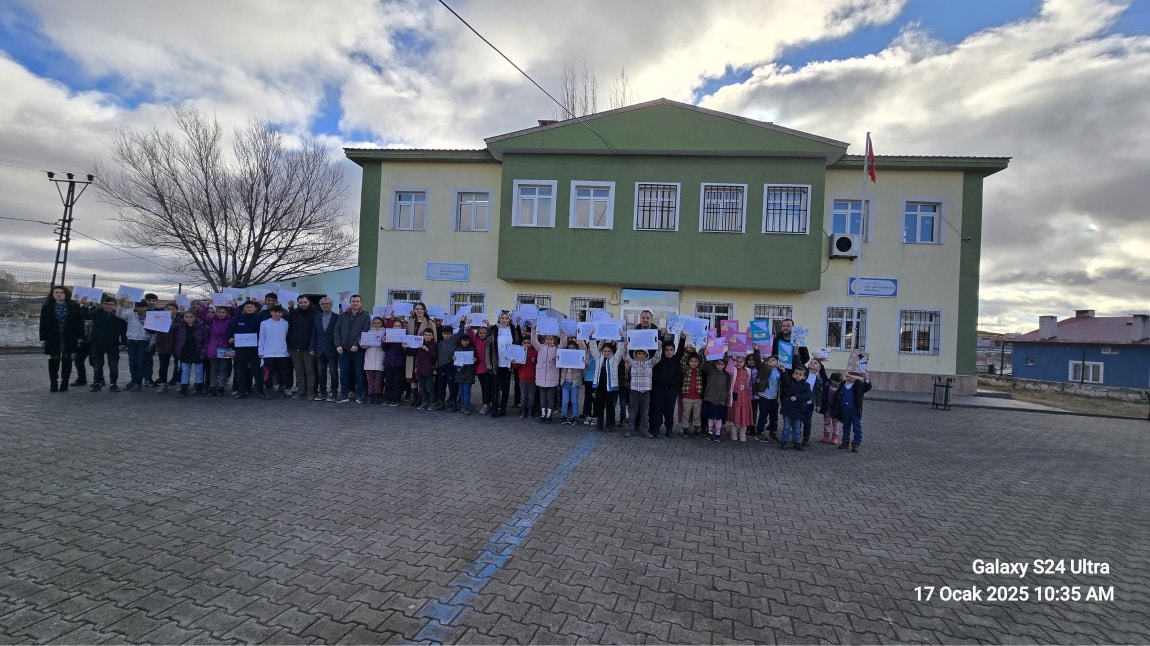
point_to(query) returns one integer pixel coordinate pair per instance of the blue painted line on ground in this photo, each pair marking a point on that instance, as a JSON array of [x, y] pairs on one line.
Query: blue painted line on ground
[[444, 613]]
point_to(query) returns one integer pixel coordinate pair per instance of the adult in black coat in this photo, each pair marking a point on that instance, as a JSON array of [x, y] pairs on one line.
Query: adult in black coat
[[301, 327], [323, 348], [61, 327]]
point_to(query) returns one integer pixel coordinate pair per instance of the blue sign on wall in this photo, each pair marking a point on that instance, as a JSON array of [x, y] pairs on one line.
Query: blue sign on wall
[[456, 271]]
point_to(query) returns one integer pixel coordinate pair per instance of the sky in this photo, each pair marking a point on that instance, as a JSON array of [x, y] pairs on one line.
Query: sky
[[1060, 86]]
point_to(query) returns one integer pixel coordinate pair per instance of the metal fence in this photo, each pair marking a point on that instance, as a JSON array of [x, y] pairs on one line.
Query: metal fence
[[23, 289]]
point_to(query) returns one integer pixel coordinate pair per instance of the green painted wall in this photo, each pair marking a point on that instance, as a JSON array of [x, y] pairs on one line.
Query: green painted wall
[[968, 269], [369, 229], [669, 126], [751, 260]]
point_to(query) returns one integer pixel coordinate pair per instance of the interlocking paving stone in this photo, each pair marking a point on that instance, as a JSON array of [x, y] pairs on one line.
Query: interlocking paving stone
[[301, 522]]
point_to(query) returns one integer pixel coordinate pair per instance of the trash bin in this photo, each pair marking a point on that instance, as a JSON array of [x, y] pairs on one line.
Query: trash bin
[[941, 399]]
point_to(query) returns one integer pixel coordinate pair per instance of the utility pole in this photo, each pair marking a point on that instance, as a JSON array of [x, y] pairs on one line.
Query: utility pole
[[64, 230]]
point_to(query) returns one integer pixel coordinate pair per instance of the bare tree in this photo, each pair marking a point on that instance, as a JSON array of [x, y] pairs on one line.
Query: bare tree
[[580, 91], [269, 211], [620, 94]]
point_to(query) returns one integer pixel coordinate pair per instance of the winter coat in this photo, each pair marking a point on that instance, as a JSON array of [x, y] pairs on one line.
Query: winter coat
[[546, 370], [301, 326], [425, 358], [166, 341], [856, 391], [373, 357], [447, 347], [669, 373], [612, 364], [416, 328], [466, 374], [491, 362], [350, 326], [245, 324], [50, 327], [108, 331], [323, 341], [717, 384], [200, 335], [800, 390], [218, 335]]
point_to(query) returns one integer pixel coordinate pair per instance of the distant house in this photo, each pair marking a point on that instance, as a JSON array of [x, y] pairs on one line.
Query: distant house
[[1088, 349]]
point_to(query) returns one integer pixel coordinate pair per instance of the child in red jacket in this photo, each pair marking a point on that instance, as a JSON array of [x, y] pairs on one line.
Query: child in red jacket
[[526, 372]]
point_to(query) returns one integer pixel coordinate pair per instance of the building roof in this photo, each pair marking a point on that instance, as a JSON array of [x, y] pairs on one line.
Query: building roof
[[1093, 330], [361, 155], [982, 165]]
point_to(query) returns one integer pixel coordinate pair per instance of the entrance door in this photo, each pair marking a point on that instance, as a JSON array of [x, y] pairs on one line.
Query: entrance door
[[661, 303]]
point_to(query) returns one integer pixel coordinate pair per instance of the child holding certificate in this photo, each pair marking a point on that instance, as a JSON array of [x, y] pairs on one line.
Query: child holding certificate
[[373, 366]]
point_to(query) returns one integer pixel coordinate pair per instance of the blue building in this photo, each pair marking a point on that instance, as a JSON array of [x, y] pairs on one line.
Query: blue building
[[1087, 349]]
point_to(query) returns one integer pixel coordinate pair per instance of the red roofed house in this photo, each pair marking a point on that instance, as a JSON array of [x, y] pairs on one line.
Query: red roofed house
[[1101, 350]]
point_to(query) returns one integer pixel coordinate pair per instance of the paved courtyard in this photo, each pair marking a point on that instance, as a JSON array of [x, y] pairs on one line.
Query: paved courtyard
[[147, 518]]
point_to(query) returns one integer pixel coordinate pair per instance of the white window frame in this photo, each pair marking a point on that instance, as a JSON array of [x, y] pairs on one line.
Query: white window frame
[[577, 184], [703, 206], [459, 192], [939, 220], [806, 216], [863, 323], [868, 206], [935, 334], [453, 307], [536, 183], [583, 314], [1109, 349], [715, 318], [392, 291], [775, 321], [1089, 366], [678, 204], [395, 208]]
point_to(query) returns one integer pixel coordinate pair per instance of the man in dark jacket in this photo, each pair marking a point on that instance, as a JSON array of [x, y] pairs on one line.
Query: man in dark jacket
[[108, 334], [301, 327], [353, 322], [323, 348], [247, 360]]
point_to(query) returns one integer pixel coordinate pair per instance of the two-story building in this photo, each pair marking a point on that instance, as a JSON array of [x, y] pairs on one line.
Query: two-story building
[[673, 208]]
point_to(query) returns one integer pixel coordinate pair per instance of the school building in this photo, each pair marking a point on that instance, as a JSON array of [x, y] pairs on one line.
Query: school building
[[678, 209]]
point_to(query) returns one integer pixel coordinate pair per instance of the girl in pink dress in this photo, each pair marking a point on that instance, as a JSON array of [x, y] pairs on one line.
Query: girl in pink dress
[[739, 414]]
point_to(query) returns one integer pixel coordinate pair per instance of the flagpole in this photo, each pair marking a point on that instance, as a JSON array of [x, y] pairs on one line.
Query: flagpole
[[862, 236]]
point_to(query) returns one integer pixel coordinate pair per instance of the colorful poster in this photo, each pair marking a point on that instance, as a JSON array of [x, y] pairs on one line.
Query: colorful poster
[[857, 362], [158, 321], [225, 353], [570, 359], [760, 330], [716, 349], [87, 295], [737, 345], [799, 336], [675, 325], [727, 327], [694, 326]]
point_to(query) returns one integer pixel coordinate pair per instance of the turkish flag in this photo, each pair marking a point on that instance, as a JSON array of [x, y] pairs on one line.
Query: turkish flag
[[869, 164]]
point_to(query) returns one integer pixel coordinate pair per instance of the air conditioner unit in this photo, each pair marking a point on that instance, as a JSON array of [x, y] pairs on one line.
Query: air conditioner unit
[[844, 245]]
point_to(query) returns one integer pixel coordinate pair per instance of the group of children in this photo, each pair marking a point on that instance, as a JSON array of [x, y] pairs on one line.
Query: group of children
[[740, 396]]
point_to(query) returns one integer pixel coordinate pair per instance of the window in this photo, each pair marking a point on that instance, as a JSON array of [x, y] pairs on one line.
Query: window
[[919, 332], [775, 314], [404, 296], [1029, 361], [460, 299], [920, 222], [541, 301], [1092, 374], [1109, 349], [534, 204], [723, 208], [472, 211], [841, 326], [786, 208], [714, 312], [582, 306], [592, 205], [410, 211], [656, 207], [851, 217]]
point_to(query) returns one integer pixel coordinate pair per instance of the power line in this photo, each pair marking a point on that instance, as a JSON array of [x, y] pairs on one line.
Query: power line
[[528, 77], [4, 217], [118, 248], [16, 163]]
